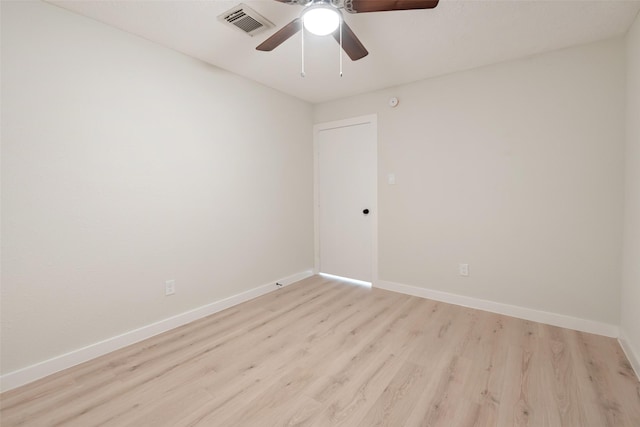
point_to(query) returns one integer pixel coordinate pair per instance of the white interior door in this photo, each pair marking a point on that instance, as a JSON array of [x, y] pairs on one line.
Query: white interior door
[[346, 194]]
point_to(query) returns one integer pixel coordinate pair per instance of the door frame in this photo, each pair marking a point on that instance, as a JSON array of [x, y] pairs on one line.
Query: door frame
[[354, 121]]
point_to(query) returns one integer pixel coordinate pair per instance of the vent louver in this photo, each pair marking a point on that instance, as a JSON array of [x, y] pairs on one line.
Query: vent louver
[[245, 19]]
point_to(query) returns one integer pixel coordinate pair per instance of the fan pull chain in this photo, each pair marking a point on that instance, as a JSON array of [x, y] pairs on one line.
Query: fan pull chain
[[302, 38], [340, 47]]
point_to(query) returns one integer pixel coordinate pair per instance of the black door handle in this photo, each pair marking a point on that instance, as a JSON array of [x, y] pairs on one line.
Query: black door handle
[[366, 211]]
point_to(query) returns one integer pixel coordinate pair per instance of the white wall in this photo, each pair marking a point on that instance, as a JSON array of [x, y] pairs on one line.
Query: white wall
[[630, 323], [125, 164], [515, 169]]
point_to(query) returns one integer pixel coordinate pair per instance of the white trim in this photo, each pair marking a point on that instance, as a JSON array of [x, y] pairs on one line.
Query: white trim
[[369, 118], [548, 318], [633, 356], [32, 373]]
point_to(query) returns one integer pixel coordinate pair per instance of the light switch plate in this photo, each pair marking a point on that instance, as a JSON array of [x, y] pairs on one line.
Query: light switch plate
[[463, 269]]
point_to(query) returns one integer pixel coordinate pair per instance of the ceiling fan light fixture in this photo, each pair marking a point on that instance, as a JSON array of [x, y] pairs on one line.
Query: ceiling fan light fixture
[[321, 20]]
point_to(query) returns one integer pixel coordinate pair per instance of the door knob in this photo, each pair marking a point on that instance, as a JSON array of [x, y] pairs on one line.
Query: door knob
[[366, 211]]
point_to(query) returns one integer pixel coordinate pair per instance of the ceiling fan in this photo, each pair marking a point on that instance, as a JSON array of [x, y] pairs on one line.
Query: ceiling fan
[[324, 17]]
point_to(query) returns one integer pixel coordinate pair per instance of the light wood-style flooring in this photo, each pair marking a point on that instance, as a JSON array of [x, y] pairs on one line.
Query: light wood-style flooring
[[325, 353]]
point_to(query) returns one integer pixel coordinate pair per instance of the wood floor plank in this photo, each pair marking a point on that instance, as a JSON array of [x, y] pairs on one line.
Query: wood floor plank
[[487, 376], [441, 399], [324, 353], [346, 406], [398, 399]]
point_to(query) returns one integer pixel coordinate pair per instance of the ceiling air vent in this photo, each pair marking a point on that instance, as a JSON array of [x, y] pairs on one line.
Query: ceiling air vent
[[245, 19]]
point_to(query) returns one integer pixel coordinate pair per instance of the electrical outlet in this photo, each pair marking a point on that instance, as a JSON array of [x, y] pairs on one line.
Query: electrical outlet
[[169, 287], [463, 269]]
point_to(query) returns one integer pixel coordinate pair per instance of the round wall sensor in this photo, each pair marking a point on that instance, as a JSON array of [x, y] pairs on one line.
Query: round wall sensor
[[393, 102]]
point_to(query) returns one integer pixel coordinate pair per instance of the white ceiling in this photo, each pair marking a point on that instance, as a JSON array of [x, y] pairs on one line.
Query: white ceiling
[[404, 46]]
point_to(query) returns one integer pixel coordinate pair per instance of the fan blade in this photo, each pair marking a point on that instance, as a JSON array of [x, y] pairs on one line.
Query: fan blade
[[363, 6], [350, 43], [282, 35]]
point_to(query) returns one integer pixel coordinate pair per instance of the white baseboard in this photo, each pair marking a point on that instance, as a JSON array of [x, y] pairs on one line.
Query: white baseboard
[[554, 319], [632, 355], [32, 373]]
